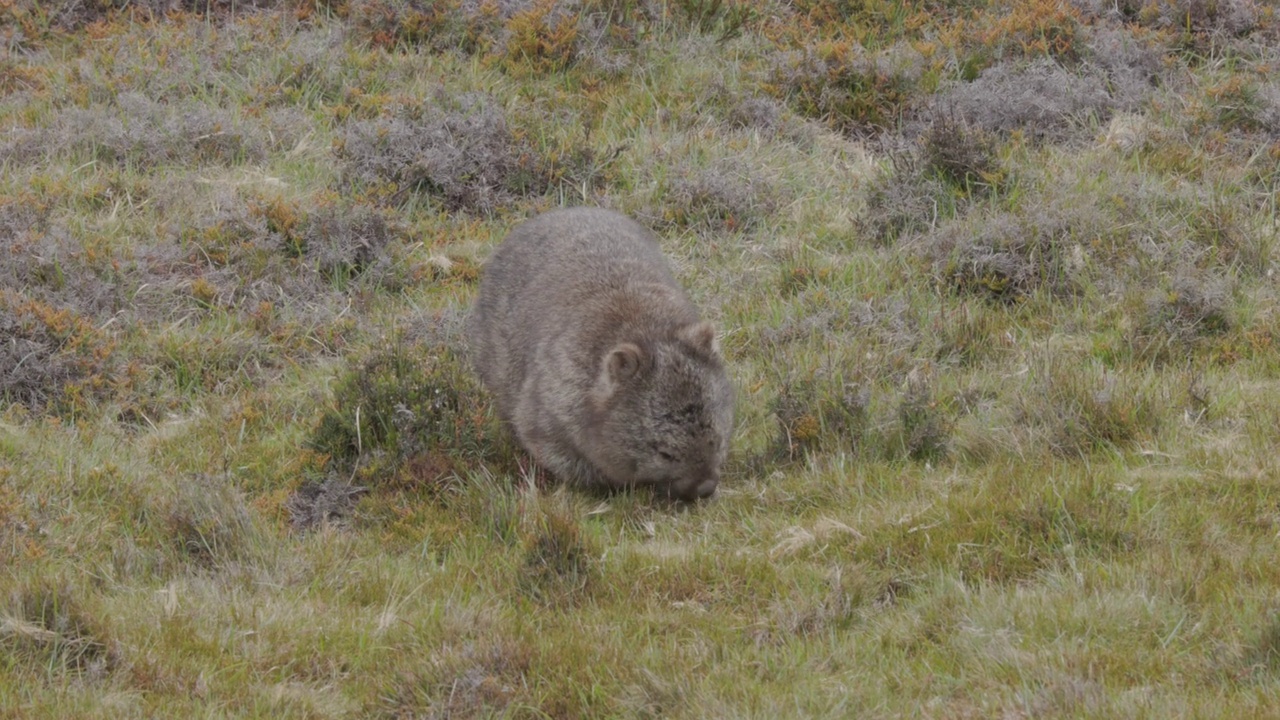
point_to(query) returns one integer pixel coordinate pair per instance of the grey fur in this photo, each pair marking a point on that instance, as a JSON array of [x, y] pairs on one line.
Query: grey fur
[[598, 360]]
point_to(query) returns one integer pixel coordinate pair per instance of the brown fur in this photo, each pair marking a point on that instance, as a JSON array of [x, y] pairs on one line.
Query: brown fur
[[597, 358]]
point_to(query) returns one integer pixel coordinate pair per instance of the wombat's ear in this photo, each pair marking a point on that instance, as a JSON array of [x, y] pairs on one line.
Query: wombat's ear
[[621, 364], [701, 336]]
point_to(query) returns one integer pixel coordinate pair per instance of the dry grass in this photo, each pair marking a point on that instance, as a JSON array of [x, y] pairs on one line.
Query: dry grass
[[996, 285]]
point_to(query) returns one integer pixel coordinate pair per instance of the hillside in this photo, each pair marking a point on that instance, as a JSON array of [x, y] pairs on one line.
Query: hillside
[[996, 282]]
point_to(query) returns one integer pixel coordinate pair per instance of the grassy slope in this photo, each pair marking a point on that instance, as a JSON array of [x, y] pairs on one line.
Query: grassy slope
[[1012, 456]]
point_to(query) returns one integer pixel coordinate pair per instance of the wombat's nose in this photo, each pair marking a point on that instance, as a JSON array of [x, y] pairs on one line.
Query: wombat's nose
[[694, 490]]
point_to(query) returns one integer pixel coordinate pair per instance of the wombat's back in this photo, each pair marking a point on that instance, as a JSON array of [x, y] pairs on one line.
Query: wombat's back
[[548, 277]]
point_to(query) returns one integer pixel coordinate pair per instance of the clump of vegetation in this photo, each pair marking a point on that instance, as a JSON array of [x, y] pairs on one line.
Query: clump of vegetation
[[801, 273], [952, 163], [34, 15], [1024, 29], [727, 196], [560, 561], [874, 24], [209, 523], [962, 155], [923, 432], [968, 335], [811, 414], [1192, 306], [53, 267], [459, 151], [230, 235], [409, 416], [472, 677], [1204, 21], [47, 629], [1134, 66], [540, 38], [135, 130], [726, 19], [435, 25], [51, 358], [1080, 409], [23, 217], [756, 113], [849, 87], [904, 200], [323, 502], [1004, 256], [535, 35], [264, 255], [1043, 99], [520, 36], [347, 242], [1174, 318], [1242, 104]]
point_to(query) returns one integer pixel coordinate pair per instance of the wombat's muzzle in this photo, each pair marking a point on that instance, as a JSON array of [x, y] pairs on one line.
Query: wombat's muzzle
[[695, 490]]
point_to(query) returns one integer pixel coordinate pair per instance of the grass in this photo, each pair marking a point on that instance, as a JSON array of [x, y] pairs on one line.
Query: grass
[[995, 283]]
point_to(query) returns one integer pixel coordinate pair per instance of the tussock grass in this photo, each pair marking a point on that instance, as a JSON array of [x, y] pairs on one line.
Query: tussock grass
[[996, 289]]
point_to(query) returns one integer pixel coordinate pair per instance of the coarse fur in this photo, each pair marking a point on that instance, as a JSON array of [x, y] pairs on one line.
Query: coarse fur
[[598, 360]]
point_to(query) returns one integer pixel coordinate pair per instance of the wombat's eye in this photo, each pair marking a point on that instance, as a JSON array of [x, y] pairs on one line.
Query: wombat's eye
[[666, 456]]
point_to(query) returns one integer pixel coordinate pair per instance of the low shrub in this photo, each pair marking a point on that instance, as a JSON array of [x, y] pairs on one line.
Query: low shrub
[[410, 416], [51, 358], [459, 151]]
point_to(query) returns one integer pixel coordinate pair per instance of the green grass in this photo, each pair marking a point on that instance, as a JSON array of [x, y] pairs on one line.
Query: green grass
[[1005, 353]]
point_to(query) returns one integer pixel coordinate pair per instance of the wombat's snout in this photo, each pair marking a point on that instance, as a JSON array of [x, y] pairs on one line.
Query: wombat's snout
[[707, 488], [696, 490]]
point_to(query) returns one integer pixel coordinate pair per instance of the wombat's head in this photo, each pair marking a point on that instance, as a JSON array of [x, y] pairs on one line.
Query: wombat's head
[[664, 413]]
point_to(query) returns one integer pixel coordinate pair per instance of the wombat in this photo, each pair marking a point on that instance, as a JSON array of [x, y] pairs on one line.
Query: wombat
[[597, 358]]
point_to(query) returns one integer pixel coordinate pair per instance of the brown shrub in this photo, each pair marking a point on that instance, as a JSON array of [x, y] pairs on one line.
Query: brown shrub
[[848, 87], [758, 113], [518, 36], [815, 413], [136, 130], [963, 155], [1133, 65], [30, 15], [53, 268], [727, 196], [459, 151], [344, 242], [1025, 29], [51, 358], [209, 523], [1202, 17], [319, 502], [47, 626], [1194, 306], [905, 200], [1005, 255], [252, 249], [1043, 99], [1077, 407], [410, 416]]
